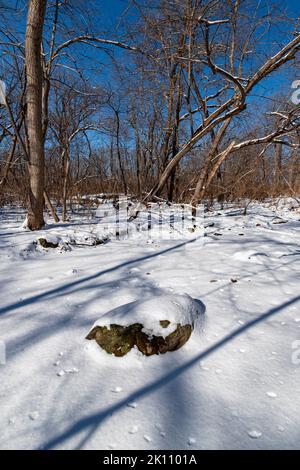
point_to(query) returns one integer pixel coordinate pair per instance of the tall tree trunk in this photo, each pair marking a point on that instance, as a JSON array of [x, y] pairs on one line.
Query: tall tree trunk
[[175, 143], [164, 149], [202, 183], [34, 76], [119, 152], [277, 167], [65, 185], [137, 149]]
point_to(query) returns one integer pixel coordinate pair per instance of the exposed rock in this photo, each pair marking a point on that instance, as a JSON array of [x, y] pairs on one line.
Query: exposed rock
[[153, 325], [119, 340], [164, 323], [159, 345], [47, 244]]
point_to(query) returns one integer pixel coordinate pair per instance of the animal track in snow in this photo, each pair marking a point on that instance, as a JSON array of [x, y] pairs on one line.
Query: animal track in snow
[[134, 429], [73, 370], [271, 394], [254, 434], [132, 404], [34, 415]]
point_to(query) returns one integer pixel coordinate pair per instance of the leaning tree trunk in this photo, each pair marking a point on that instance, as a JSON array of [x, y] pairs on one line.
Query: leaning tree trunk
[[34, 76]]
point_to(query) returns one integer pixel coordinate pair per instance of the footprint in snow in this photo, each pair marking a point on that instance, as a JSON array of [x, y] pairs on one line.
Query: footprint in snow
[[147, 438], [73, 370], [111, 446], [34, 415], [134, 270], [62, 372], [117, 389], [160, 429], [191, 441], [254, 434], [271, 394], [132, 404], [134, 429]]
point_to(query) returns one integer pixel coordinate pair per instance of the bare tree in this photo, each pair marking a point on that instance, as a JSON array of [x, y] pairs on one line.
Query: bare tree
[[34, 100], [240, 81]]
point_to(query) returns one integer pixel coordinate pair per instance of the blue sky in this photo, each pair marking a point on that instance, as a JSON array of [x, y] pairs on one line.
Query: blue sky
[[112, 9], [293, 6], [108, 15], [275, 84]]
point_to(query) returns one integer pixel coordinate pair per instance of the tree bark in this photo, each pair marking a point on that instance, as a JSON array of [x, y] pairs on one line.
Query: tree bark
[[9, 161], [202, 184], [34, 92], [119, 152], [65, 185], [277, 166]]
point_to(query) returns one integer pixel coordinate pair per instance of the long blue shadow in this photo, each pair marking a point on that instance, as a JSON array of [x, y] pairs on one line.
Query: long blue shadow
[[65, 287], [95, 420]]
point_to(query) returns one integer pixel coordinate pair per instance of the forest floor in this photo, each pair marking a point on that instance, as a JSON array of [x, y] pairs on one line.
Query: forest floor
[[233, 385]]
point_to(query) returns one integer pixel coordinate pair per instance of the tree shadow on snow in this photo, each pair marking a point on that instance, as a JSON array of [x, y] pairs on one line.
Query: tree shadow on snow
[[92, 422], [65, 287]]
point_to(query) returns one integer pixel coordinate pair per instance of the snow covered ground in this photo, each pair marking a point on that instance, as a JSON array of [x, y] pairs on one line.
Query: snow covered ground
[[235, 384]]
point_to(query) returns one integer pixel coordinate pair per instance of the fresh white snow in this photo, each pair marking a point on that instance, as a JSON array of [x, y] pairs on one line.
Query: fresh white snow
[[177, 309], [234, 384]]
